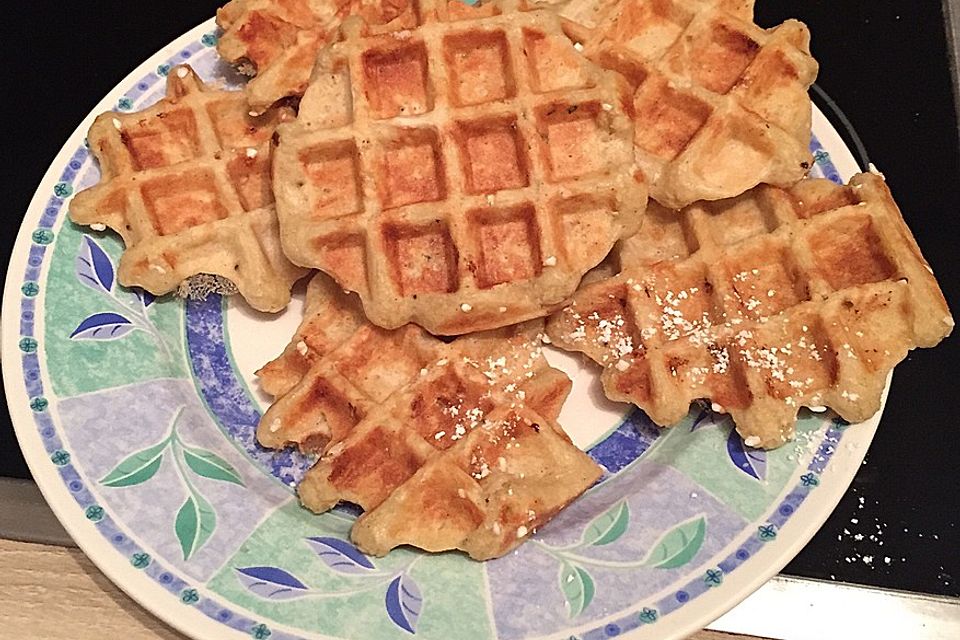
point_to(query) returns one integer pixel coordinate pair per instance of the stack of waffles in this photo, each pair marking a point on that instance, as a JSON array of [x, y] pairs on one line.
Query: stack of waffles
[[468, 171]]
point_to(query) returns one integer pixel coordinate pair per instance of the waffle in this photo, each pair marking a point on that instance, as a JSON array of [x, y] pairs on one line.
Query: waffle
[[335, 369], [459, 413], [462, 175], [509, 476], [338, 368], [721, 104], [186, 183], [763, 303], [400, 417], [278, 40]]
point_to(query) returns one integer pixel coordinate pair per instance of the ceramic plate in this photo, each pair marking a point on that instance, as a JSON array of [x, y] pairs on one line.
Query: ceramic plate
[[137, 417]]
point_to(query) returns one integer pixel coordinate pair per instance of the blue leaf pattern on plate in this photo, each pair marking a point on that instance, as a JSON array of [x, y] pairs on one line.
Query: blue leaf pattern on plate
[[145, 297], [102, 326], [752, 462], [700, 419], [93, 266], [708, 418], [340, 555], [272, 583], [404, 602]]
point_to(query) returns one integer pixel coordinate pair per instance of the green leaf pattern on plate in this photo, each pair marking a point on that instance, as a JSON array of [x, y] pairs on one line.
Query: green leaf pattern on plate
[[196, 520], [207, 464], [608, 526], [678, 546], [675, 548], [577, 587], [138, 467], [195, 523]]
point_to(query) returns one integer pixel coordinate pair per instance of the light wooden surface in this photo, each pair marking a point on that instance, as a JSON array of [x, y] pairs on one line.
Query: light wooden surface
[[55, 593]]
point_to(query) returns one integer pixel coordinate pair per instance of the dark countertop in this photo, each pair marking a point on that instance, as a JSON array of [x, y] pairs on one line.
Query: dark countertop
[[884, 62]]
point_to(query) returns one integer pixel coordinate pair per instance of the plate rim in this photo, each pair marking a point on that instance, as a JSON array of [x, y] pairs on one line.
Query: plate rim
[[192, 622]]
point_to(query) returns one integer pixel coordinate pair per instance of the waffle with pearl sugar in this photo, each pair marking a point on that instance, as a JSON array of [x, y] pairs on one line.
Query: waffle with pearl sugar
[[338, 366], [378, 404], [761, 304]]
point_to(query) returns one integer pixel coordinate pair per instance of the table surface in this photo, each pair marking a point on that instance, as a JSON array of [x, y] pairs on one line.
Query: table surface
[[884, 62]]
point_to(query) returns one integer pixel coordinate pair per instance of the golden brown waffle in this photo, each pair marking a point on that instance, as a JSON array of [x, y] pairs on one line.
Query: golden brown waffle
[[330, 317], [338, 368], [400, 452], [450, 398], [509, 476], [721, 104], [462, 175], [763, 303], [278, 40], [382, 404], [335, 369], [186, 183]]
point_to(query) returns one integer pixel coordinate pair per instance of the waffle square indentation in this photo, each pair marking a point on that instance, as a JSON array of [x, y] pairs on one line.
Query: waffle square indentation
[[334, 167], [676, 302], [570, 136], [666, 121], [423, 258], [764, 281], [412, 168], [492, 155], [479, 68], [647, 29], [161, 142], [376, 360], [737, 219], [509, 244], [813, 203], [849, 252], [447, 408], [719, 56], [183, 201], [791, 358], [396, 81], [551, 64]]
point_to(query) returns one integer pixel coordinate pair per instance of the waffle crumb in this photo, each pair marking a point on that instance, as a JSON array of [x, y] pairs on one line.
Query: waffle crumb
[[203, 285]]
